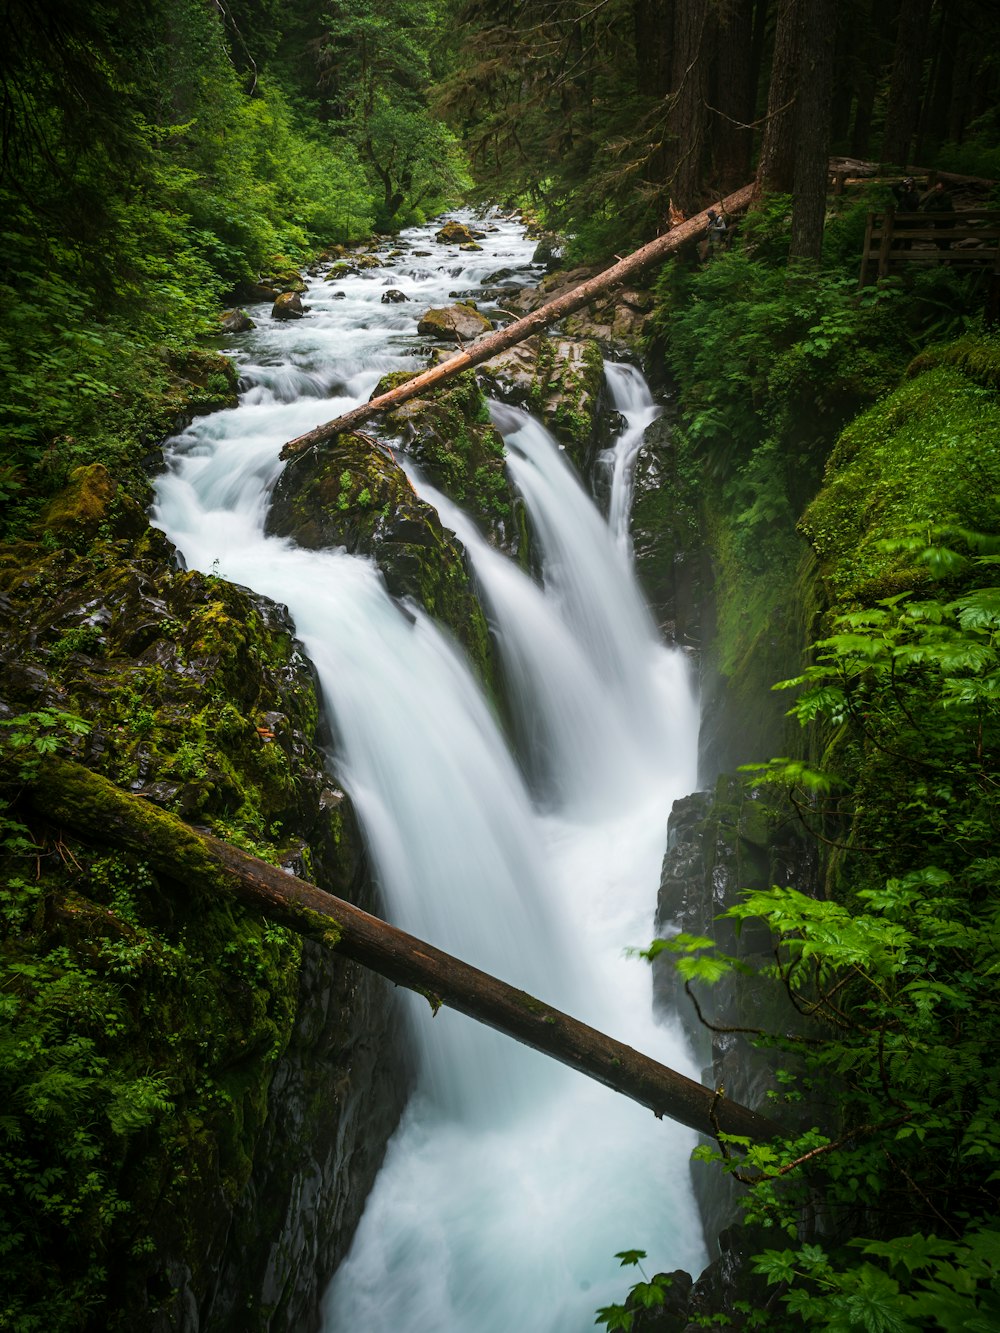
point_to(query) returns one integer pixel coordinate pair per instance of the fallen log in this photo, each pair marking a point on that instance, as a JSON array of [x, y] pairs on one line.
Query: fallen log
[[489, 346], [73, 797]]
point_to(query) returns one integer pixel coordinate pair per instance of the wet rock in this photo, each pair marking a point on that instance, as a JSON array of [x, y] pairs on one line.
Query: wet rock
[[721, 843], [256, 291], [548, 251], [394, 297], [236, 321], [618, 323], [670, 1317], [454, 233], [561, 380], [450, 435], [354, 494], [288, 306], [455, 323]]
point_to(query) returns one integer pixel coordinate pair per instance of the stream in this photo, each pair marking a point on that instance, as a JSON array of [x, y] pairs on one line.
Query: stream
[[511, 1182]]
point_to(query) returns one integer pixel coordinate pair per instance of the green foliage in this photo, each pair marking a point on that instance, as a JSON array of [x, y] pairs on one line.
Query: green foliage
[[929, 450], [382, 57], [121, 242], [649, 1294], [123, 1033], [897, 974], [31, 736], [923, 1282]]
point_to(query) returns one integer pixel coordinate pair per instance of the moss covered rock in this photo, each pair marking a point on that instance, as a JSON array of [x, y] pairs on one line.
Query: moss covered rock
[[353, 494], [450, 435], [210, 1068], [560, 380], [926, 454], [288, 306], [454, 233], [455, 323], [91, 505]]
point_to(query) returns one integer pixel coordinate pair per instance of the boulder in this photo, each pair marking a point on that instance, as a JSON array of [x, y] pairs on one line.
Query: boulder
[[459, 450], [548, 251], [561, 380], [284, 280], [91, 503], [288, 306], [354, 494], [455, 323], [394, 296], [454, 233], [236, 321]]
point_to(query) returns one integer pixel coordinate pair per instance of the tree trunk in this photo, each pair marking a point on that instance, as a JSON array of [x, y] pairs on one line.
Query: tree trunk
[[734, 94], [74, 797], [906, 83], [694, 29], [812, 129], [845, 61], [485, 348], [869, 42], [653, 38], [776, 165]]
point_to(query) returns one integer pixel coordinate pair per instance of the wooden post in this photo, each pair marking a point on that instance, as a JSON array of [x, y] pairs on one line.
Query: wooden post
[[866, 249], [485, 348], [888, 218], [74, 797]]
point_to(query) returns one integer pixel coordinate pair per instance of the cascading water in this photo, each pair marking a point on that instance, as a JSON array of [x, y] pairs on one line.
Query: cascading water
[[511, 1181], [631, 397]]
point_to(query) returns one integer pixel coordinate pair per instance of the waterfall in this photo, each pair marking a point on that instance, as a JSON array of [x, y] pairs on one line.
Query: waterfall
[[511, 1181], [631, 397]]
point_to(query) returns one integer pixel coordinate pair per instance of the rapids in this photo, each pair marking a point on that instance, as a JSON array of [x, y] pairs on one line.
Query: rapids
[[511, 1182]]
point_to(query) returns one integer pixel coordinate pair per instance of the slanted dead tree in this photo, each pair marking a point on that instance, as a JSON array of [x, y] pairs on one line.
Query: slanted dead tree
[[483, 349], [70, 796]]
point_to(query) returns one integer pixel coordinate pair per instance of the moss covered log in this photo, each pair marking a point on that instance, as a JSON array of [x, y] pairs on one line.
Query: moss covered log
[[69, 795]]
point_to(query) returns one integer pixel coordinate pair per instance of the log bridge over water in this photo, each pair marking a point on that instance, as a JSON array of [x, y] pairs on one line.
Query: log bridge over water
[[71, 797]]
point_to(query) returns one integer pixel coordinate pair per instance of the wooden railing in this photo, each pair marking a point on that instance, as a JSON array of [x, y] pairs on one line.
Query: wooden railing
[[969, 238]]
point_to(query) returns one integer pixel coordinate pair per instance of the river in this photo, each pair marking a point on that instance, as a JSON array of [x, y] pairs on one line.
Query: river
[[512, 1182]]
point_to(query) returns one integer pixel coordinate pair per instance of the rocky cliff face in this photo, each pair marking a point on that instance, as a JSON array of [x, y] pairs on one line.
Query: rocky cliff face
[[240, 1085], [721, 842]]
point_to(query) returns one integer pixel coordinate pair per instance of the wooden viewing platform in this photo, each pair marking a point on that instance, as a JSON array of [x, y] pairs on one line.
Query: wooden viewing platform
[[893, 240]]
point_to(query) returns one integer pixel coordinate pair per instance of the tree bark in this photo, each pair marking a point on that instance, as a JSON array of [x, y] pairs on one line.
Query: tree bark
[[74, 797], [776, 165], [812, 128], [694, 31], [906, 84], [485, 348], [735, 83]]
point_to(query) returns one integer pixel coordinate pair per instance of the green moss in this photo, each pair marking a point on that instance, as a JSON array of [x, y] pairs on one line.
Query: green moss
[[451, 437], [977, 357], [927, 453]]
